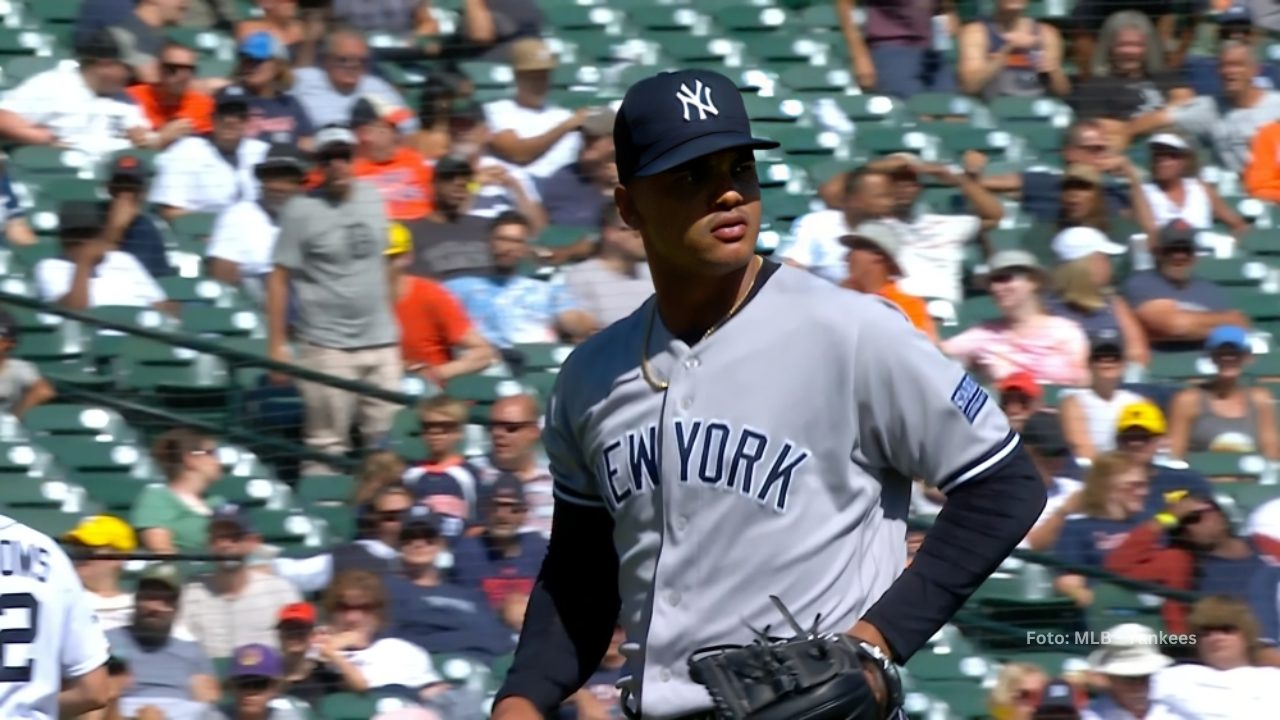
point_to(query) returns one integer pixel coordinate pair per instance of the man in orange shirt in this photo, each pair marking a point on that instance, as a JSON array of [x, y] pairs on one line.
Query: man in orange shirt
[[400, 173], [437, 339], [173, 108], [873, 268]]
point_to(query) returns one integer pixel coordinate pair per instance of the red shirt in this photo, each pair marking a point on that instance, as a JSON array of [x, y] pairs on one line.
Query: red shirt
[[432, 322], [404, 181], [194, 106]]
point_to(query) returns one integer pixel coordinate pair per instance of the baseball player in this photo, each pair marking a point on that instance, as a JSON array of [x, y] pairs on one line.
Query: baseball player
[[54, 654], [752, 431]]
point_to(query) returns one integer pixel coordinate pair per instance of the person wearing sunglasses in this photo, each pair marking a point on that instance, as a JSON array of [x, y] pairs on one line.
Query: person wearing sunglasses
[[1176, 309], [1174, 192], [1141, 430], [442, 419], [329, 91], [172, 105], [514, 435], [1125, 665], [264, 79], [174, 517], [254, 684], [1017, 691], [1025, 337], [501, 560], [1082, 203], [1089, 414], [1224, 413]]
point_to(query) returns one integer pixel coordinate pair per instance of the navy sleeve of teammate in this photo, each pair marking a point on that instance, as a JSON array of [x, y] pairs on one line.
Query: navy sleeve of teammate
[[922, 416], [574, 604]]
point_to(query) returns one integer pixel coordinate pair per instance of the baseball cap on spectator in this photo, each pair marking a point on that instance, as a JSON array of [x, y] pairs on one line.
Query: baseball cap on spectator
[[80, 219], [506, 488], [452, 166], [101, 44], [129, 168], [1042, 433], [1021, 381], [1058, 702], [1169, 140], [1080, 241], [334, 135], [230, 519], [1104, 341], [255, 660], [370, 109], [880, 235], [103, 531], [302, 613], [1132, 650], [1177, 234], [529, 54], [263, 45], [1227, 336], [282, 157], [1008, 260], [419, 522], [671, 118], [1142, 415], [231, 104], [1236, 14], [399, 239], [164, 574], [1080, 172]]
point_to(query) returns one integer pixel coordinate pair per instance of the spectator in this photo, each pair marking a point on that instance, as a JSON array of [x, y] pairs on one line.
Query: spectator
[[513, 611], [445, 108], [874, 268], [1040, 191], [1226, 126], [491, 28], [1083, 204], [263, 78], [356, 647], [600, 696], [1222, 414], [14, 228], [398, 17], [1047, 448], [1111, 504], [1189, 545], [501, 560], [1176, 310], [233, 605], [1053, 349], [103, 534], [171, 105], [616, 281], [255, 678], [130, 226], [379, 470], [1021, 398], [1175, 193], [1082, 291], [1129, 78], [171, 674], [202, 174], [511, 308], [442, 419], [303, 675], [242, 243], [438, 616], [1011, 55], [1127, 663], [1227, 676], [279, 19], [867, 194], [77, 106], [1262, 175], [1017, 691], [144, 33], [528, 130], [452, 241], [891, 51], [1140, 432], [329, 92], [89, 272], [437, 338], [497, 186], [400, 173], [1093, 19], [21, 385], [174, 518], [573, 194], [932, 254], [513, 441], [330, 259], [1089, 414]]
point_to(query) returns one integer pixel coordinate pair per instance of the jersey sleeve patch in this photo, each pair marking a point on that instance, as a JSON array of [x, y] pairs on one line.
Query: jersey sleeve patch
[[969, 397]]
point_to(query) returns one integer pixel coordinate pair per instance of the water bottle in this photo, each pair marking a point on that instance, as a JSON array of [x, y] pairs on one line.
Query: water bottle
[[942, 41], [1035, 582]]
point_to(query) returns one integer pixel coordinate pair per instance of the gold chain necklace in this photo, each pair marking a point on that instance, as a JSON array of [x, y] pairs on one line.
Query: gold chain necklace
[[662, 385]]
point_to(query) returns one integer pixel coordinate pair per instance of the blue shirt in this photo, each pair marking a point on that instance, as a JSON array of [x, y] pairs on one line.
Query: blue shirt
[[1226, 576], [513, 310], [12, 208], [447, 619], [1042, 195], [570, 198], [142, 239], [478, 566], [1196, 295], [1092, 323], [1087, 540], [277, 120]]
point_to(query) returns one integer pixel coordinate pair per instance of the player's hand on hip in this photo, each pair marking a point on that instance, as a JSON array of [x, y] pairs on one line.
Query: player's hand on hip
[[515, 708]]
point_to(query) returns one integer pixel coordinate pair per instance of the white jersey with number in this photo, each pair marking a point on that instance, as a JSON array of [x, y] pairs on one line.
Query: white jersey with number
[[778, 461], [48, 630]]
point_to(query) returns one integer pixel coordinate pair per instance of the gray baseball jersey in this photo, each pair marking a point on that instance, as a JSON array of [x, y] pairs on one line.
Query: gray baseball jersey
[[778, 461]]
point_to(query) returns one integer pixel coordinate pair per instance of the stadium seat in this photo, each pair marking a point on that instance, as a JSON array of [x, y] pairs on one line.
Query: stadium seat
[[51, 521], [88, 454], [956, 700], [1249, 496], [54, 11], [116, 492], [60, 190], [249, 492], [563, 236], [926, 665], [84, 420], [39, 160], [887, 140], [481, 388], [155, 367], [348, 706], [944, 106], [1227, 465], [19, 41], [286, 527], [65, 342], [1237, 271], [817, 82], [31, 493], [195, 225], [1259, 241], [313, 489], [340, 519], [1114, 604], [223, 322], [543, 356]]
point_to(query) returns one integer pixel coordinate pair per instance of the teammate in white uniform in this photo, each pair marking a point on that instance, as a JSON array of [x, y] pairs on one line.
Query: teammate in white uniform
[[54, 652], [750, 430]]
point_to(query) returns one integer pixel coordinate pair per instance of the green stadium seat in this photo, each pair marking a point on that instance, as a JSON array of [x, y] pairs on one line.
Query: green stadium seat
[[977, 310], [116, 492], [887, 140], [488, 74], [19, 41], [1180, 366], [685, 48], [87, 454], [1045, 141], [782, 205], [1244, 272], [819, 18], [927, 665], [940, 106], [284, 526], [963, 700], [40, 160], [107, 344], [773, 109], [958, 137], [1114, 604], [205, 320], [1259, 241], [54, 11], [341, 521], [540, 383], [1257, 305], [348, 706], [818, 82], [165, 369], [205, 291], [787, 50], [50, 521], [313, 489], [60, 190], [481, 388], [19, 69], [804, 141], [879, 109], [64, 343], [582, 17], [249, 492], [30, 493], [1249, 496], [83, 420], [1237, 466], [753, 21], [543, 356], [562, 236], [74, 374], [1017, 109], [195, 225]]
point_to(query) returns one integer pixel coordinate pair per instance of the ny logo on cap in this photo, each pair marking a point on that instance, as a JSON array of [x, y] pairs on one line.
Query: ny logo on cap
[[699, 97]]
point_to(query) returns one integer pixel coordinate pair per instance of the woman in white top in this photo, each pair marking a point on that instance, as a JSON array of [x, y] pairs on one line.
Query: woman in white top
[[1089, 414], [1174, 192]]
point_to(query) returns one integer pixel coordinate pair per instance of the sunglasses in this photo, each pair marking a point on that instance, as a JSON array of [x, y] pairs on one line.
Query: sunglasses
[[1005, 276], [1177, 250], [1094, 149], [1015, 398], [510, 507], [350, 61], [1227, 629], [253, 684], [441, 426], [511, 427], [1134, 436], [1194, 517], [174, 68], [333, 154], [423, 534], [357, 607]]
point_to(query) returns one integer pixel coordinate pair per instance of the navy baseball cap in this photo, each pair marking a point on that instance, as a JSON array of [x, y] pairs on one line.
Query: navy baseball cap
[[674, 117]]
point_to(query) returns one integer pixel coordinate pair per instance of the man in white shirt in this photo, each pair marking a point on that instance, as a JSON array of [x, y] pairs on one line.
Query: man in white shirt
[[89, 273], [209, 174], [816, 246], [528, 131], [244, 236], [80, 107], [330, 91]]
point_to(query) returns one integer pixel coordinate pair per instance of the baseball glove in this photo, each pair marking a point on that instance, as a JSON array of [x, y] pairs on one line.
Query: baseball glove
[[806, 677]]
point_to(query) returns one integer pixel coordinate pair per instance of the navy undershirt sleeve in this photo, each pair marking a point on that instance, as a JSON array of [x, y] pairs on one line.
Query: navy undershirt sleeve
[[982, 521]]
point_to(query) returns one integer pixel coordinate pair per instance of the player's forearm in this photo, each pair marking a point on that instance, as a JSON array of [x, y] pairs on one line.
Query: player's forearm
[[982, 521]]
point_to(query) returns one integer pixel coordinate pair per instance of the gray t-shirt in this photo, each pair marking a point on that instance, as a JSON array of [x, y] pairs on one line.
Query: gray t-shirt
[[16, 378], [338, 273], [609, 296], [1228, 131], [326, 106], [161, 676], [1197, 295]]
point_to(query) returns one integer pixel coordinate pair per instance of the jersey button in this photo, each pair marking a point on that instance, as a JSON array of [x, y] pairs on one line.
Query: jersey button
[[664, 675], [681, 523], [686, 403], [673, 598], [692, 363]]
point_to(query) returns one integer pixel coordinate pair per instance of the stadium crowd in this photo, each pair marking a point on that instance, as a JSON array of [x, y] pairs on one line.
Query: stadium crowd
[[386, 229]]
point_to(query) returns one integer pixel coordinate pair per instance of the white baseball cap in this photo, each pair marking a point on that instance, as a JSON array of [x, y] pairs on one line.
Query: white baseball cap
[[1132, 650], [1080, 241], [1169, 140]]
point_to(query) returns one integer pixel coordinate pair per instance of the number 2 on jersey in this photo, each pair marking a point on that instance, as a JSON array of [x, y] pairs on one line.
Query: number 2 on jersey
[[18, 636]]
